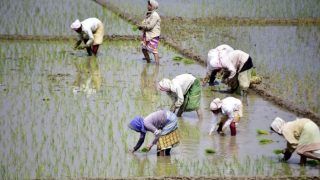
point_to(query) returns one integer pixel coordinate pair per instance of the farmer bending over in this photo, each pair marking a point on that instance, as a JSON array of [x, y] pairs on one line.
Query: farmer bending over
[[91, 32], [231, 109], [214, 62], [302, 135], [185, 90], [160, 123]]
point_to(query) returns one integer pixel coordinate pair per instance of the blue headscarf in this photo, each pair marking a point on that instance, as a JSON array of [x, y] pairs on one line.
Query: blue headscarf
[[136, 124]]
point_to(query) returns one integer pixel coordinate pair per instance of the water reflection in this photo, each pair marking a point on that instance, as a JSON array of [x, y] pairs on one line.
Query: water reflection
[[88, 78], [148, 82]]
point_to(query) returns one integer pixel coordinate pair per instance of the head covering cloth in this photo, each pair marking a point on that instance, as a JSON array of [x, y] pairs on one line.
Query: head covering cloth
[[154, 4], [215, 104], [76, 25], [136, 124], [277, 125]]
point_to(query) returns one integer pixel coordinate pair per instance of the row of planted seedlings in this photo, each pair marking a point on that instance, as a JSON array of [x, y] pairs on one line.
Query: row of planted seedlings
[[54, 17], [272, 54], [221, 8], [66, 132]]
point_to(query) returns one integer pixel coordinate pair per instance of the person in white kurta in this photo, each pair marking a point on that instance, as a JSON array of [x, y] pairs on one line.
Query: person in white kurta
[[91, 32], [185, 90], [214, 62], [238, 66], [231, 109]]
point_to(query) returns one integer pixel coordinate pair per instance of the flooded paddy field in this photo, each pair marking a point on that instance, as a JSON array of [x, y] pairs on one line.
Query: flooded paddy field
[[285, 51], [225, 8], [54, 17], [64, 114]]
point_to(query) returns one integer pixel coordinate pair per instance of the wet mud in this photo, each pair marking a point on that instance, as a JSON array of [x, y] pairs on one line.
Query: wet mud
[[261, 89]]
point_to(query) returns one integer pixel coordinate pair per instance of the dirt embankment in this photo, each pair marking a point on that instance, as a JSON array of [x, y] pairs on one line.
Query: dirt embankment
[[261, 89]]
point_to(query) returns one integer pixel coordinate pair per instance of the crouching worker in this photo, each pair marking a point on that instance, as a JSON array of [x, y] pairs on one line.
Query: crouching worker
[[237, 67], [231, 110], [185, 90], [214, 62], [161, 123], [302, 135], [91, 32]]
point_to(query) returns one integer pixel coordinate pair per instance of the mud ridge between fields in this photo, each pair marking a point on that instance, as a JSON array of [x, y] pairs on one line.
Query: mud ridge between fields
[[63, 38], [259, 89]]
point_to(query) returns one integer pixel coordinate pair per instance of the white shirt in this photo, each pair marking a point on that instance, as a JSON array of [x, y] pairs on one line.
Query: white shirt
[[234, 62], [89, 26], [229, 106], [216, 55], [181, 85]]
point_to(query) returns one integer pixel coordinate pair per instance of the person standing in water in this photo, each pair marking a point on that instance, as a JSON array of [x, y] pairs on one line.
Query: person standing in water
[[90, 31], [150, 28]]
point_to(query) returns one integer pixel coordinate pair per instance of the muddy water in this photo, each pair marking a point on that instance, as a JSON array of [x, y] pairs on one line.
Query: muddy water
[[64, 114], [54, 17]]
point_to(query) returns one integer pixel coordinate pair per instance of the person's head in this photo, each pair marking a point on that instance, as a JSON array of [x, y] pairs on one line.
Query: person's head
[[165, 85], [76, 26], [277, 125], [152, 5], [215, 106], [137, 125]]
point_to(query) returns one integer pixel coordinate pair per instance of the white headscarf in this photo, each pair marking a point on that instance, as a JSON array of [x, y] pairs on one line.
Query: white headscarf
[[215, 104], [165, 85], [277, 125], [154, 4], [76, 24]]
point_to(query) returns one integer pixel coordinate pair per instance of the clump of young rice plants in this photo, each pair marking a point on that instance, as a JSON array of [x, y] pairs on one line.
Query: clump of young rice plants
[[210, 151], [265, 141], [262, 132]]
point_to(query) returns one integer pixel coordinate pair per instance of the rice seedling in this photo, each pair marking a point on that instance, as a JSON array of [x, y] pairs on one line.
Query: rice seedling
[[144, 150], [210, 151], [265, 141], [262, 132], [278, 151], [188, 61], [177, 58]]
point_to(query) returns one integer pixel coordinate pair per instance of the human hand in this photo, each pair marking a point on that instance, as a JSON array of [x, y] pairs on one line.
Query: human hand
[[131, 151], [149, 147]]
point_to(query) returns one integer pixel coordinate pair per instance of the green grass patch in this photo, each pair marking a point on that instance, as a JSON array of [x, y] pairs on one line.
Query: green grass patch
[[188, 61], [278, 151], [210, 151], [135, 28], [177, 58], [262, 132], [313, 162], [265, 141]]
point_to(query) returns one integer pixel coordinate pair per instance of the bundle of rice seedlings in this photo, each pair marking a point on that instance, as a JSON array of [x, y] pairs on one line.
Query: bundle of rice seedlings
[[262, 132], [278, 151], [144, 149], [265, 141], [210, 151], [177, 58]]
